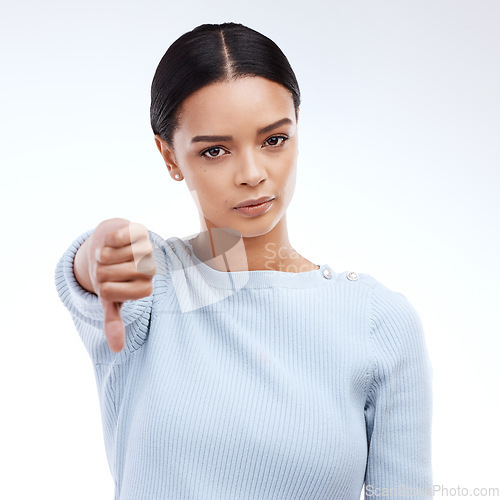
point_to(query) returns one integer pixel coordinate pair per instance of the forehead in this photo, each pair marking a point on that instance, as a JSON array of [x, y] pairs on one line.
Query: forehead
[[249, 101]]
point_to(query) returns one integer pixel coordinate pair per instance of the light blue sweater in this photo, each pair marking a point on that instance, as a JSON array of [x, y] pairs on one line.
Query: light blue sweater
[[259, 384]]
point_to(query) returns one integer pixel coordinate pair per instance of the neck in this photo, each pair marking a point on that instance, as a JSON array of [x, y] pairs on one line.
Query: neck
[[228, 250]]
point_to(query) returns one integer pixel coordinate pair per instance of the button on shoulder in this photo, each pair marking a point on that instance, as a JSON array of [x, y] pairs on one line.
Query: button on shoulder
[[327, 273]]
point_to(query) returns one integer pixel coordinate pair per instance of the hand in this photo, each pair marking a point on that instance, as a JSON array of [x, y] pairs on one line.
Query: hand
[[124, 271]]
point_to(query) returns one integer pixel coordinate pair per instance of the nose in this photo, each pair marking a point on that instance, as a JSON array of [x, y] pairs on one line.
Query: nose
[[250, 169]]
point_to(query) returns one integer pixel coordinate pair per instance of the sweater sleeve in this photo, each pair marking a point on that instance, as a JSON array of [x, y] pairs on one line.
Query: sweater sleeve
[[87, 312], [398, 409]]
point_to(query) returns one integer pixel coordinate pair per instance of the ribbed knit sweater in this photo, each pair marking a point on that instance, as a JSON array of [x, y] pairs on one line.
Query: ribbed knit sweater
[[259, 384]]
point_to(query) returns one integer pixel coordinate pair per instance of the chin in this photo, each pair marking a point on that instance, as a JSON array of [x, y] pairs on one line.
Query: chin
[[259, 226]]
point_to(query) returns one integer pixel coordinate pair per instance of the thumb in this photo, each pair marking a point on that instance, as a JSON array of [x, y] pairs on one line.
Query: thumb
[[114, 328]]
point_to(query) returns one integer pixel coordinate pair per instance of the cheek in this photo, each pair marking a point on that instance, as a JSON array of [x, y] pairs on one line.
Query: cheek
[[287, 173], [210, 192], [290, 186], [287, 181]]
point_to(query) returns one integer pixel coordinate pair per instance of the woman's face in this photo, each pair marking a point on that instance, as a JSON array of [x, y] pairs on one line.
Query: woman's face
[[254, 155]]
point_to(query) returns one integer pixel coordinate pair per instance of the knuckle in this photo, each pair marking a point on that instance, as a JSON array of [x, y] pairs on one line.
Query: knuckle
[[142, 247], [104, 254], [118, 238], [148, 289], [149, 244], [136, 228]]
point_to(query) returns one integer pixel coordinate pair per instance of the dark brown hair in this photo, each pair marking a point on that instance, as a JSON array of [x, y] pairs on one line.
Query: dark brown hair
[[213, 53]]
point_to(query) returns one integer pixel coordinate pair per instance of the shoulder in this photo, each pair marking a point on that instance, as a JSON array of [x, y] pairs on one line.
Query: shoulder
[[376, 288], [394, 321], [354, 278], [393, 307], [381, 294], [389, 309]]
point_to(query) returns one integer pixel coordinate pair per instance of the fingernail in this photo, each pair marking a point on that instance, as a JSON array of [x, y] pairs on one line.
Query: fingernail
[[98, 254]]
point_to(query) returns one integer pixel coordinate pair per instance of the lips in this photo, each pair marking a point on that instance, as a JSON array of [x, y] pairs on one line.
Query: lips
[[258, 201]]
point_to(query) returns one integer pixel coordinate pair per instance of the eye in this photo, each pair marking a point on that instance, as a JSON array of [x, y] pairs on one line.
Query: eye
[[274, 138], [210, 151], [272, 141]]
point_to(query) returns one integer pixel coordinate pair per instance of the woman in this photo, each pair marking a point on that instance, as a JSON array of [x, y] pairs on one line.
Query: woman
[[228, 365]]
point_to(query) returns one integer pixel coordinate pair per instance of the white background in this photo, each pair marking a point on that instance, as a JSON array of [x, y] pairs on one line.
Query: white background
[[398, 178]]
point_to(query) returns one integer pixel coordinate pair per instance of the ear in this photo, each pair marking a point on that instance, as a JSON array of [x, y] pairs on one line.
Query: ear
[[168, 156]]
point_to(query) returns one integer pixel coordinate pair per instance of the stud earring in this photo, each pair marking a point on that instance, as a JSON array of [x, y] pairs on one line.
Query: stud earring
[[177, 176]]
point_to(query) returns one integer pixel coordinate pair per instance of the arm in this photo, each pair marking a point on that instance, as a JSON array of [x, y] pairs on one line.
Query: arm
[[398, 410]]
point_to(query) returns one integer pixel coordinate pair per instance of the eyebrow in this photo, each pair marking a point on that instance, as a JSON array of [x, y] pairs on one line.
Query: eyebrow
[[213, 138]]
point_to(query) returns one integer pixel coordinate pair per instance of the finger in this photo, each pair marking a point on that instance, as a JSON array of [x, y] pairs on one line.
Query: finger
[[133, 252], [114, 328], [143, 254], [120, 292], [125, 235], [125, 271]]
